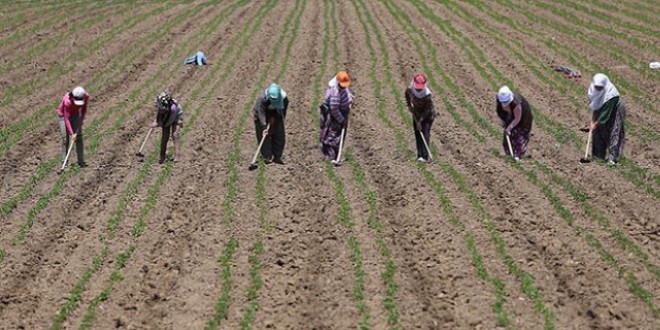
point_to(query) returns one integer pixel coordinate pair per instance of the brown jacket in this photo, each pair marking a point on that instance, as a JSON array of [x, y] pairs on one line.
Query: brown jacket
[[423, 108]]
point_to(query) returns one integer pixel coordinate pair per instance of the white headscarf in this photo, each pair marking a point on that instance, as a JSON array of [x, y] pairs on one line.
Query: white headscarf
[[505, 95], [598, 98], [422, 94]]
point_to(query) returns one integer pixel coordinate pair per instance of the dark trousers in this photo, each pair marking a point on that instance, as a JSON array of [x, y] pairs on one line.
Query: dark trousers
[[64, 134], [172, 130], [426, 130], [273, 146], [610, 136]]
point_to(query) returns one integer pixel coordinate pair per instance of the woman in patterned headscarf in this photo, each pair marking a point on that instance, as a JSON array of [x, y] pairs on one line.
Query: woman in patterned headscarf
[[609, 114], [516, 119], [334, 115], [169, 116]]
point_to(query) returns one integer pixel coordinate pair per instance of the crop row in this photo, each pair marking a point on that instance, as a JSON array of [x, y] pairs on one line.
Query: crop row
[[131, 191], [165, 173], [561, 210]]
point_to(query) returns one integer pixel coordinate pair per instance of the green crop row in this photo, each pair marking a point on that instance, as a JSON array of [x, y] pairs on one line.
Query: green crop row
[[627, 169], [44, 25], [115, 277], [39, 119], [623, 241], [76, 293], [225, 297], [18, 130], [46, 168], [69, 63], [564, 213], [526, 280], [166, 171], [91, 151], [37, 49], [377, 225]]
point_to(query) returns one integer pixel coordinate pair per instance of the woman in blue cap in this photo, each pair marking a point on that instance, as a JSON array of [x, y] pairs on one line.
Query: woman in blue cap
[[270, 111]]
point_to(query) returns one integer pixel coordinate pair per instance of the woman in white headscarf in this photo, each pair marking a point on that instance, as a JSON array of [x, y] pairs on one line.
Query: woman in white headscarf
[[609, 113], [420, 103], [516, 119]]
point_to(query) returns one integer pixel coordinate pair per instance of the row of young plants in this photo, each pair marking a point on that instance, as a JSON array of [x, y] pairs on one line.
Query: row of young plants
[[55, 72], [640, 177], [86, 19], [604, 46], [260, 186], [53, 15], [502, 317], [13, 134], [117, 216], [582, 198], [27, 11], [633, 284], [40, 118], [90, 151], [166, 171]]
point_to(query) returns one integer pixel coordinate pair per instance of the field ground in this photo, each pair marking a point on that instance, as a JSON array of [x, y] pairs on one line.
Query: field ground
[[469, 241]]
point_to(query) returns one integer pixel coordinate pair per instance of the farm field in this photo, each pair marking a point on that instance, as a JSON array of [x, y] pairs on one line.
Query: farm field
[[472, 240]]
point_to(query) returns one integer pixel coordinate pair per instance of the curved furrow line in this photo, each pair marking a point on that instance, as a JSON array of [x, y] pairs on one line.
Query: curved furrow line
[[624, 242], [633, 284], [503, 318], [628, 169], [14, 134], [75, 295], [162, 177], [260, 186], [68, 64], [92, 149], [46, 168]]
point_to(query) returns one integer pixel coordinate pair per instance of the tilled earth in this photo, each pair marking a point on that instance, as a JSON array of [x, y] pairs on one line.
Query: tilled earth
[[469, 241]]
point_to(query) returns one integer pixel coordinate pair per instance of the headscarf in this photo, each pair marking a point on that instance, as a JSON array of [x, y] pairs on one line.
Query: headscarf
[[598, 98], [505, 95], [421, 94]]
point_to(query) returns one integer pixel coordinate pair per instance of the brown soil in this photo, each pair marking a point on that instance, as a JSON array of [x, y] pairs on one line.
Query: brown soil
[[173, 279]]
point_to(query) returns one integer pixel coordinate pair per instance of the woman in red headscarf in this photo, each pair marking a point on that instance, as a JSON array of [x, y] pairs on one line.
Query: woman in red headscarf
[[420, 103]]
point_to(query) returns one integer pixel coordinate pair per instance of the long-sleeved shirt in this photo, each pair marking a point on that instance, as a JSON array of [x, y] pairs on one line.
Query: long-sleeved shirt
[[169, 118], [260, 109], [68, 109], [338, 101], [602, 115], [422, 107]]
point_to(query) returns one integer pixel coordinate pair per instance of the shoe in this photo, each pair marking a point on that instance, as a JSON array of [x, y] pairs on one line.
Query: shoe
[[268, 161], [162, 160], [611, 162], [334, 161], [278, 161], [421, 160], [517, 159], [82, 164]]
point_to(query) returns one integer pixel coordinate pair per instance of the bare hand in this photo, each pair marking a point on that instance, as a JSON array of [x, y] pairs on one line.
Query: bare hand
[[419, 126], [73, 136], [153, 125], [593, 126], [264, 133]]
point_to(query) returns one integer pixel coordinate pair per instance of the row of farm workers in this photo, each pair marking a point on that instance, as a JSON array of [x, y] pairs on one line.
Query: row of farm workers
[[606, 132]]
